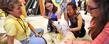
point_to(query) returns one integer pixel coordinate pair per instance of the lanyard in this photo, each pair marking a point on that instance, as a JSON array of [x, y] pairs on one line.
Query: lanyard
[[24, 28], [22, 25]]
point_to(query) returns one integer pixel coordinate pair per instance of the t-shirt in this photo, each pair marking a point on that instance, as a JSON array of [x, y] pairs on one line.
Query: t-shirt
[[14, 28], [53, 17]]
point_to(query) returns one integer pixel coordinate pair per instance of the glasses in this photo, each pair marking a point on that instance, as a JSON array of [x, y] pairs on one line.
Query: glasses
[[89, 8]]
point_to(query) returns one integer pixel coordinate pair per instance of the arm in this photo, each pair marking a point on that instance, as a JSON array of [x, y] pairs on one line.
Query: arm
[[46, 17], [11, 32], [58, 15], [10, 39], [32, 29], [79, 23], [66, 17], [102, 38]]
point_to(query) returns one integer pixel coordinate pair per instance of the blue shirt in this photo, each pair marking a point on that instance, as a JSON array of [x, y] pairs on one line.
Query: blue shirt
[[74, 1], [53, 17]]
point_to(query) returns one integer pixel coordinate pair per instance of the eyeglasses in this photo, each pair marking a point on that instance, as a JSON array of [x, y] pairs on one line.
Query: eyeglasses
[[89, 8]]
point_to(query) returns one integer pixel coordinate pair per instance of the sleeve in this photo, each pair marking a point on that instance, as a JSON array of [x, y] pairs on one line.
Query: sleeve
[[10, 29], [103, 36]]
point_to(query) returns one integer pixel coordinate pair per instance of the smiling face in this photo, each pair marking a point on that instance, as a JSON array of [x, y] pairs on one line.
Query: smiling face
[[93, 8], [49, 6], [70, 10], [16, 11]]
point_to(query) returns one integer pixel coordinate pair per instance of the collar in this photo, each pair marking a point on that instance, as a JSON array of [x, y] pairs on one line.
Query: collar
[[11, 16]]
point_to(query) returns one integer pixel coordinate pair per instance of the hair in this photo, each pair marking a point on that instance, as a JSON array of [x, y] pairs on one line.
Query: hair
[[103, 5], [74, 7], [54, 7], [8, 5]]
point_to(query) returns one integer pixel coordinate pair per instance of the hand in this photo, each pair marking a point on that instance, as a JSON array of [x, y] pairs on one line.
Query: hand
[[46, 17], [81, 42], [70, 29], [68, 41], [37, 35]]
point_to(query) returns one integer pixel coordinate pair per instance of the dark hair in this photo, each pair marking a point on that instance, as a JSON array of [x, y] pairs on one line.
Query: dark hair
[[74, 7], [103, 5], [54, 7], [8, 5]]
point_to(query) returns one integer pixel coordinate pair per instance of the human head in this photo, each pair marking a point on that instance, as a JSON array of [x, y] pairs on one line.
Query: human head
[[12, 7], [102, 7], [71, 9], [49, 6], [93, 8]]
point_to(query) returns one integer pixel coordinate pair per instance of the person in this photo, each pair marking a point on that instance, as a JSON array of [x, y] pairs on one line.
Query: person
[[79, 4], [99, 10], [14, 26], [74, 1], [2, 14], [85, 5], [50, 14], [75, 21], [50, 10]]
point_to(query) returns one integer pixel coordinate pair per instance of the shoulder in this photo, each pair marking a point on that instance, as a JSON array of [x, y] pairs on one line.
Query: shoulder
[[103, 37], [10, 19], [10, 22], [79, 16], [106, 28], [107, 25], [55, 13]]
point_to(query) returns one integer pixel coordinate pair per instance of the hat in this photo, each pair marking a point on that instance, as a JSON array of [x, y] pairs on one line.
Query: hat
[[39, 30]]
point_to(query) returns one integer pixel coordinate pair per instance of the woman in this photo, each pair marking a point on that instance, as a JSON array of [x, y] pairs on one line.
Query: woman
[[79, 4], [51, 15], [50, 10], [101, 18], [14, 26], [75, 21], [99, 10]]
